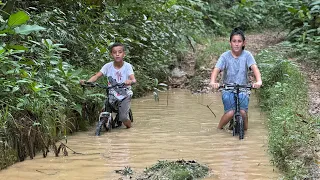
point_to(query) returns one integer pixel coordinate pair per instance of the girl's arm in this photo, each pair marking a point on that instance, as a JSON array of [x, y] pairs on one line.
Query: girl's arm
[[257, 75]]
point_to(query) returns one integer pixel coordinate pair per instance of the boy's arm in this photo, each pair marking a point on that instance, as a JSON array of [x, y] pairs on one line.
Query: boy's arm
[[214, 76], [257, 75], [94, 78], [131, 80]]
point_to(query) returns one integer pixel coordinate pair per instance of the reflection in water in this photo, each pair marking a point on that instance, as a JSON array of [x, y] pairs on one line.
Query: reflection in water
[[182, 130]]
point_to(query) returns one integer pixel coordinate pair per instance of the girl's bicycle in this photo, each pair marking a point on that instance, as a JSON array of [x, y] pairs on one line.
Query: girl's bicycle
[[106, 118], [237, 122]]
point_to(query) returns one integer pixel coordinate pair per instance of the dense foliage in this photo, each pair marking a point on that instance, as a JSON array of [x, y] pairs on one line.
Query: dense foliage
[[302, 19]]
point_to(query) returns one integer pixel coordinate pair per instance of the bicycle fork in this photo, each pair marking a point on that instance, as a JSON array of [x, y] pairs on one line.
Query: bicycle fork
[[104, 120], [236, 114]]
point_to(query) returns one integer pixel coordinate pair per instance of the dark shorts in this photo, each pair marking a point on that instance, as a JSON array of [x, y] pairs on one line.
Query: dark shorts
[[123, 108], [229, 101]]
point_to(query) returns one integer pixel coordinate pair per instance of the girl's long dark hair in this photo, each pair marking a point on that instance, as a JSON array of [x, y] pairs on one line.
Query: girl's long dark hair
[[238, 31]]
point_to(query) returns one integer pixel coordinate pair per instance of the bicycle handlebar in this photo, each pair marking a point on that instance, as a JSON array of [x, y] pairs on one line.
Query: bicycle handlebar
[[236, 86], [93, 84]]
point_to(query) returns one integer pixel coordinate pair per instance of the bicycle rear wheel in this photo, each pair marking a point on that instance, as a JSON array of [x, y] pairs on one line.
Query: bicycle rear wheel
[[241, 127]]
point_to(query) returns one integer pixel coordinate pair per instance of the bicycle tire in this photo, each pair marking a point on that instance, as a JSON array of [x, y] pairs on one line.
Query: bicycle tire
[[109, 123], [234, 127], [116, 123], [130, 115], [241, 127], [101, 123]]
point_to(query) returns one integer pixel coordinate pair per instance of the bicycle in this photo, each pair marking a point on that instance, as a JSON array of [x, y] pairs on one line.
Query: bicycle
[[105, 117], [237, 122]]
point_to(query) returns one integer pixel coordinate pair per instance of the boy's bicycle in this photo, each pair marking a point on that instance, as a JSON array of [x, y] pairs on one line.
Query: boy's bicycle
[[105, 118], [237, 122]]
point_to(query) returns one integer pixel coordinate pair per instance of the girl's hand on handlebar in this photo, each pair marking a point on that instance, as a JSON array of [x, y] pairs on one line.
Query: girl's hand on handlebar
[[257, 84], [214, 85]]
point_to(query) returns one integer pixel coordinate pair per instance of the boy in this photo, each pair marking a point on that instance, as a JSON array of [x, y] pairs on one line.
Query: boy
[[235, 65], [118, 71]]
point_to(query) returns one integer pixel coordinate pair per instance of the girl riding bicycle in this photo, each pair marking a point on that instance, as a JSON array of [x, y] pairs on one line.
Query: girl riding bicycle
[[235, 65]]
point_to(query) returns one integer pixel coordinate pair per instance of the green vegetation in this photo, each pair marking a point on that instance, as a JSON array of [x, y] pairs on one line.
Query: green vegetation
[[292, 132], [302, 19], [178, 170]]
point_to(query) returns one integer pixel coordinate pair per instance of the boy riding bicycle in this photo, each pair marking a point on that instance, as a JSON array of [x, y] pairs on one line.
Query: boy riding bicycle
[[118, 71], [235, 64]]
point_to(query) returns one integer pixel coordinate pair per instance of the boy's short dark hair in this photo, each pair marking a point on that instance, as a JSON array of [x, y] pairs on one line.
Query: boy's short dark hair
[[238, 31], [115, 45]]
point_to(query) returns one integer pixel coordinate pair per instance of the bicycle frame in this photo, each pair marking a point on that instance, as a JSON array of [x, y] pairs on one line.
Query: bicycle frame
[[105, 117], [237, 127], [237, 100]]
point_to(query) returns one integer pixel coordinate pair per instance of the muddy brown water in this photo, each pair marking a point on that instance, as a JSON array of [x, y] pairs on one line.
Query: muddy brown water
[[182, 130]]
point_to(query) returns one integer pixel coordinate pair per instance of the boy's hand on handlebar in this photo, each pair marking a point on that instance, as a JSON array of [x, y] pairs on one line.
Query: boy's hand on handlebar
[[257, 84], [214, 85], [82, 82], [129, 82]]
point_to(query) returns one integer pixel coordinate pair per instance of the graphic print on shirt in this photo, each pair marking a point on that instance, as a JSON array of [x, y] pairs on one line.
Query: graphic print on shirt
[[116, 93], [119, 76]]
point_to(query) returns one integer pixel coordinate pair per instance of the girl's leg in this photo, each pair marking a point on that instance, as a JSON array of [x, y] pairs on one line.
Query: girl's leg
[[225, 119]]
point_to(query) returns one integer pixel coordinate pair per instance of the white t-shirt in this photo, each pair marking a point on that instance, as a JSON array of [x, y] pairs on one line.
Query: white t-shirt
[[117, 75]]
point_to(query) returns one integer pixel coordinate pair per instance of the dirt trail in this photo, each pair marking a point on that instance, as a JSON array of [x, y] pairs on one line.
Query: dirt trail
[[257, 42], [313, 78]]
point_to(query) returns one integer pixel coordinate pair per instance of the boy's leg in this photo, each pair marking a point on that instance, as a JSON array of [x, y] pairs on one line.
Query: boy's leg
[[124, 108]]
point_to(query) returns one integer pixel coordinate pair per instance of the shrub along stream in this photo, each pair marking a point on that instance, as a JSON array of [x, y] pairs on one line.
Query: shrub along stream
[[292, 131]]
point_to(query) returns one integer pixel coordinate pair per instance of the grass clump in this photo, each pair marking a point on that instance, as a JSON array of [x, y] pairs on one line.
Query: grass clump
[[292, 131], [178, 170]]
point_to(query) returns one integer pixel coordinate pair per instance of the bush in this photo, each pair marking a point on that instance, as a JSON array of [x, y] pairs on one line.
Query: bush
[[292, 135]]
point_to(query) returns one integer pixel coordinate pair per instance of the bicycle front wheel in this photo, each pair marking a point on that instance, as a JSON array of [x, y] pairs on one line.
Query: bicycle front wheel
[[241, 127], [101, 123]]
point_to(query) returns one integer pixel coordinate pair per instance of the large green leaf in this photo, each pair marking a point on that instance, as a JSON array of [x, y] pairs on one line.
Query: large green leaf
[[27, 29], [317, 2], [17, 47], [18, 19], [2, 50], [1, 19]]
